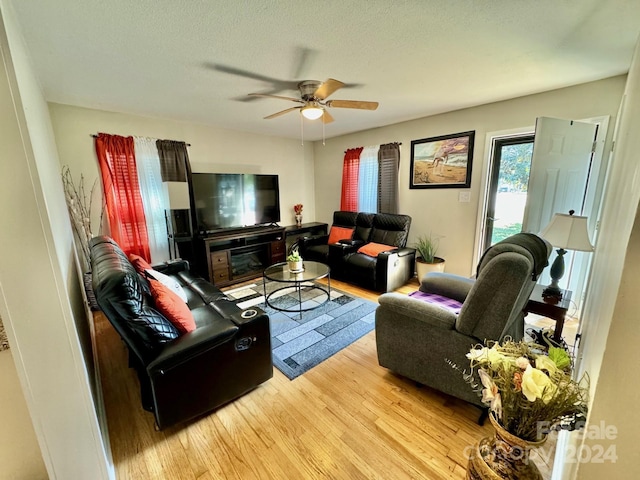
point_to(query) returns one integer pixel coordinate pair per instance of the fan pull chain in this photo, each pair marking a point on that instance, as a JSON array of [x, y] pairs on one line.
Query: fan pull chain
[[301, 131], [323, 132]]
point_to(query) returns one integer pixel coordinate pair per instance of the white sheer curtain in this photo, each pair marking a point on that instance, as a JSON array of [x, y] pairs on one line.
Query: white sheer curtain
[[154, 198], [368, 180]]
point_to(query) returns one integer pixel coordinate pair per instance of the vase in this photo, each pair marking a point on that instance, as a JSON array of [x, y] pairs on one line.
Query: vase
[[503, 456], [295, 266], [298, 220], [422, 268]]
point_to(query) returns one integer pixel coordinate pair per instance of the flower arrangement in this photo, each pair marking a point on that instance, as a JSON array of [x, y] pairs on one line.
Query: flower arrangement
[[80, 206], [529, 389], [297, 208]]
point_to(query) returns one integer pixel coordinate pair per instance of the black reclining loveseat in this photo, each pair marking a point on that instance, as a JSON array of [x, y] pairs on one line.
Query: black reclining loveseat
[[181, 375], [382, 273]]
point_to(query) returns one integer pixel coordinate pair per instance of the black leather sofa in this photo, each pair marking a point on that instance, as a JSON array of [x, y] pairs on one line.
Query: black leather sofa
[[384, 273], [181, 376]]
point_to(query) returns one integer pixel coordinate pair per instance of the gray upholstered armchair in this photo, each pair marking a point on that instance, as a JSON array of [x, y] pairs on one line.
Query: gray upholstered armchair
[[417, 338]]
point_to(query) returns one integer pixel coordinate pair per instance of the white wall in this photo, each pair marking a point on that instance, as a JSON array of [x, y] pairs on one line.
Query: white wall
[[613, 303], [212, 150], [438, 211], [20, 455], [617, 394], [38, 281]]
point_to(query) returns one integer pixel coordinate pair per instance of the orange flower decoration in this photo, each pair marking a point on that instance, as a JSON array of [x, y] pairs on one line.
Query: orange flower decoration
[[517, 381]]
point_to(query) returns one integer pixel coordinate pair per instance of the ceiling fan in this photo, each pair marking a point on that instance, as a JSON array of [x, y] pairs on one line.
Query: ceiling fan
[[313, 100]]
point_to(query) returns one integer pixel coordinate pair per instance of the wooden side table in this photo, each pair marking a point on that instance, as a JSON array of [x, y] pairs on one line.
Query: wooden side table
[[547, 307]]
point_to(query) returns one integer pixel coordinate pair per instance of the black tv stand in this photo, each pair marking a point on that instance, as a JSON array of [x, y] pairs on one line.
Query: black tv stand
[[230, 256], [230, 230]]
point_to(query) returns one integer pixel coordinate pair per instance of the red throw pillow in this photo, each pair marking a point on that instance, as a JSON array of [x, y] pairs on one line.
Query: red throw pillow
[[373, 249], [172, 307], [139, 263], [340, 233]]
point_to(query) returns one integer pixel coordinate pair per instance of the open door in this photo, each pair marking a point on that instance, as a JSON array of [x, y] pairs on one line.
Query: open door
[[560, 172]]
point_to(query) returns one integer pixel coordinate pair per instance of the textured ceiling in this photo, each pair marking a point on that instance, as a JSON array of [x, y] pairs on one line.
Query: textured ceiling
[[167, 58]]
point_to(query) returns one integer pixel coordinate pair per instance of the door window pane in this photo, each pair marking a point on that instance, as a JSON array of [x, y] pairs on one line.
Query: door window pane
[[511, 198], [507, 189]]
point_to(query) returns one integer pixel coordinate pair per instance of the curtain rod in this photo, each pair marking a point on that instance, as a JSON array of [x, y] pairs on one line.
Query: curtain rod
[[399, 143], [96, 136]]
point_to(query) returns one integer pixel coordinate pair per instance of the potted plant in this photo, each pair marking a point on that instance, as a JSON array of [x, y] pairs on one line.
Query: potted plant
[[295, 262], [427, 261], [530, 391]]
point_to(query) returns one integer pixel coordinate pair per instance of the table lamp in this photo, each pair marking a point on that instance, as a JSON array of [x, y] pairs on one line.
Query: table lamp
[[178, 196], [564, 232]]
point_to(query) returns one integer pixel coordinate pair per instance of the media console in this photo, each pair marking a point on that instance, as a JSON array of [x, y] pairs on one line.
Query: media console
[[293, 232], [231, 256]]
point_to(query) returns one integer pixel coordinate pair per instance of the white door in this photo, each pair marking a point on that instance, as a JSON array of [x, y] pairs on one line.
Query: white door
[[562, 157]]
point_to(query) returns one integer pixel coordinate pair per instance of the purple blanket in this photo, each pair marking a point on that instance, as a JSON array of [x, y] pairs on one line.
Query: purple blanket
[[447, 303]]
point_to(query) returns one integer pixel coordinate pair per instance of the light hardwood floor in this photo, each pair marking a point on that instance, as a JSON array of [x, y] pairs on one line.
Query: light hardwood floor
[[347, 418]]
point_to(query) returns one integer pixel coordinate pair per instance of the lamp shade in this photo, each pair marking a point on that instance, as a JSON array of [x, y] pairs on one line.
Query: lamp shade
[[569, 232], [311, 112], [178, 195]]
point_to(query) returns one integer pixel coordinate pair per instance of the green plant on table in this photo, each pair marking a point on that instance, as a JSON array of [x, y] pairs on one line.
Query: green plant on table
[[427, 247], [294, 257]]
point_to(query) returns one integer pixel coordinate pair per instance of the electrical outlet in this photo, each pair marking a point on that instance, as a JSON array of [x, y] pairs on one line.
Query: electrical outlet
[[464, 197]]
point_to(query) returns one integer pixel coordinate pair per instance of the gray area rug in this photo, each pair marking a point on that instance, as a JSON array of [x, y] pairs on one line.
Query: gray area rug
[[4, 341], [299, 344]]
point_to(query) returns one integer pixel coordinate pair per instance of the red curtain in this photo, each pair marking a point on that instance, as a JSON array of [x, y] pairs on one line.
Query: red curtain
[[349, 198], [122, 193]]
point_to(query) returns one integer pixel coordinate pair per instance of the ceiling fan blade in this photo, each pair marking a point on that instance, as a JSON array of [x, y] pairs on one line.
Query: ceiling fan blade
[[247, 98], [276, 82], [268, 95], [274, 115], [304, 57], [326, 117], [242, 73], [361, 105], [327, 88]]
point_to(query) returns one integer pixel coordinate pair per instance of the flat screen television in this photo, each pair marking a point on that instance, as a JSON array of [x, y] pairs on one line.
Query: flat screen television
[[231, 200]]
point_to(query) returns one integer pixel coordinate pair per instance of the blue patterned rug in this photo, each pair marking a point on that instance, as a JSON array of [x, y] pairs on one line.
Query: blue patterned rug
[[299, 344]]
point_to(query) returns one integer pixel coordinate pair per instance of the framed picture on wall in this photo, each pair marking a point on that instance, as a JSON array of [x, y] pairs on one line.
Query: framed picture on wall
[[442, 162]]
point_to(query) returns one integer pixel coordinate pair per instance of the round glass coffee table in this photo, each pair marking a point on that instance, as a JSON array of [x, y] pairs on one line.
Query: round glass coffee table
[[297, 282]]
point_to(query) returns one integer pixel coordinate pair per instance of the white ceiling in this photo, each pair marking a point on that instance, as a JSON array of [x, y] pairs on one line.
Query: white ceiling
[[166, 58]]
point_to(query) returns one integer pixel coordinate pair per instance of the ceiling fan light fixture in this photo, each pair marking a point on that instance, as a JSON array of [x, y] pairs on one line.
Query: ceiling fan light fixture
[[312, 112]]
